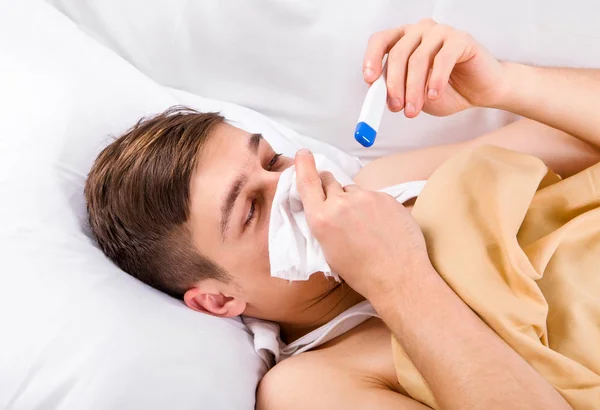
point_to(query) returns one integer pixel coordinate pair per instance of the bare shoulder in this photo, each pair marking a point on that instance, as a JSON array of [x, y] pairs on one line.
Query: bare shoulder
[[297, 382], [326, 379]]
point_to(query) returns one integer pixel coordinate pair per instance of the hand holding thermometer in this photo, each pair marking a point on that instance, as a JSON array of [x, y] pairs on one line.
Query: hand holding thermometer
[[371, 112]]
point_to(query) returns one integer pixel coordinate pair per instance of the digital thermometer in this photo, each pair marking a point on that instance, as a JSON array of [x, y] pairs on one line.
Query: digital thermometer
[[371, 112]]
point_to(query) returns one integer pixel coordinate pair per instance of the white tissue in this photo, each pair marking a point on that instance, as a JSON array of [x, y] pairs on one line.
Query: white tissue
[[294, 254]]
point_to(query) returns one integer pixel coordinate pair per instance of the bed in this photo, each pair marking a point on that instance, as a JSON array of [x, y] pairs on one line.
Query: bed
[[78, 333]]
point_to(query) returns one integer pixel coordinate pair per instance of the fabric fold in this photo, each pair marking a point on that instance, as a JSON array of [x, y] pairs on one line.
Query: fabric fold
[[520, 247]]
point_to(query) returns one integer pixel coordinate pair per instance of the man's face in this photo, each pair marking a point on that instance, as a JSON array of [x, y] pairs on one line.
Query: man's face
[[232, 190]]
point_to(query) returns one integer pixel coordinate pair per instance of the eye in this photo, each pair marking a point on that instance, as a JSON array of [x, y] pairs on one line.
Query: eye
[[251, 213], [273, 162]]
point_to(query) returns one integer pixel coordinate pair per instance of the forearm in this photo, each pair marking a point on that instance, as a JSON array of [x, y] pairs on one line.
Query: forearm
[[563, 153], [405, 166], [564, 98], [464, 362]]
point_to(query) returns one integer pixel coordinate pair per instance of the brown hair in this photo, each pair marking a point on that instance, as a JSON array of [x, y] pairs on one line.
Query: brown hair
[[138, 194]]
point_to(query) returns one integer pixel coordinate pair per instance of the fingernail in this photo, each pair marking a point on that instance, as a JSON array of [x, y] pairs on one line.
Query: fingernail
[[303, 151], [410, 108], [368, 72], [396, 103], [432, 93]]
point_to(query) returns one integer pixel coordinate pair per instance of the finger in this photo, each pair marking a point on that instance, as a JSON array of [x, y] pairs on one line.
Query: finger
[[308, 181], [419, 65], [443, 64], [396, 69], [398, 60], [330, 185], [379, 44]]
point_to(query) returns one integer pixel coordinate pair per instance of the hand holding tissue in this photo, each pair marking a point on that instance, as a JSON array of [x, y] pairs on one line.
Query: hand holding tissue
[[294, 253]]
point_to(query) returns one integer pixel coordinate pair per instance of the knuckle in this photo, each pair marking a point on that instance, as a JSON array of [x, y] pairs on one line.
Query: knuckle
[[427, 21], [379, 198], [418, 59], [463, 36], [373, 39], [374, 197], [343, 205], [441, 58], [336, 206], [382, 196], [319, 221], [398, 52], [441, 29], [377, 37], [397, 59], [364, 195], [393, 87]]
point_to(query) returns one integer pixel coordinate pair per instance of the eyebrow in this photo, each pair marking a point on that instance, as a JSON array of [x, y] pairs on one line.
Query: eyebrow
[[237, 187], [254, 142]]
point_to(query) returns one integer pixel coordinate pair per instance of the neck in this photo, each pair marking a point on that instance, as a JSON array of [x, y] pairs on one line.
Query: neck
[[337, 300]]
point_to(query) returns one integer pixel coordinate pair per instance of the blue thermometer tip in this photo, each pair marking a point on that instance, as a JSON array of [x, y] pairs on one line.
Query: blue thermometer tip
[[364, 134]]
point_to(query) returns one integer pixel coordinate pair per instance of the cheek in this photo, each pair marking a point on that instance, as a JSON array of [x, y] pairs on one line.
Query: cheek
[[255, 262], [262, 248]]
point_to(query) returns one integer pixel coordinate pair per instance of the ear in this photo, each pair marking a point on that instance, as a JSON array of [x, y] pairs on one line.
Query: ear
[[207, 298]]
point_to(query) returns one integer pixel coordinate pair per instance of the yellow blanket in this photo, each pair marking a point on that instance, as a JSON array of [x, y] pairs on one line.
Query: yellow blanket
[[521, 247]]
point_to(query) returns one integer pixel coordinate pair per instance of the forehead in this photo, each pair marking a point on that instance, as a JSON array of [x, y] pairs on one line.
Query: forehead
[[219, 163], [225, 140]]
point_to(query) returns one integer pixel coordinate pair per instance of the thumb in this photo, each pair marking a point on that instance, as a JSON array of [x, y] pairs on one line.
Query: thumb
[[308, 181]]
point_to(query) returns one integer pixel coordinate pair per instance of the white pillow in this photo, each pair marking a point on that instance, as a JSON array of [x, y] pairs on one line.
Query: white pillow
[[76, 331], [300, 62]]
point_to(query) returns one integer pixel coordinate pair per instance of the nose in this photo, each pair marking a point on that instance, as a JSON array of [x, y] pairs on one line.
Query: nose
[[270, 179]]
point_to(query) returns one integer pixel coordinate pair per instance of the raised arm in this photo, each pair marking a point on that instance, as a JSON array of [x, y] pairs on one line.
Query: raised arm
[[564, 98], [440, 70]]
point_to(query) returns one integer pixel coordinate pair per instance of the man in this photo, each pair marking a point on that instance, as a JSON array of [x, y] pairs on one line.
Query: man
[[182, 202]]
